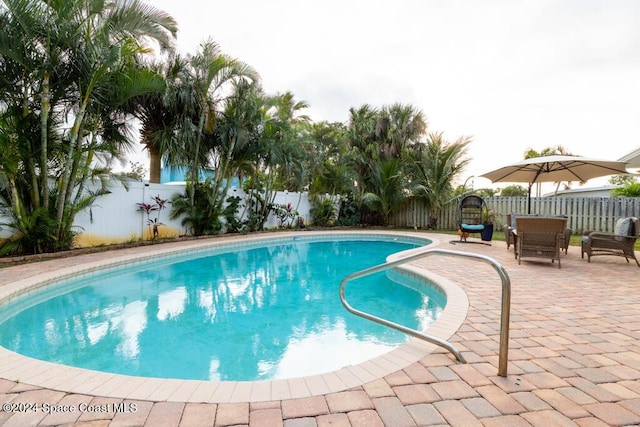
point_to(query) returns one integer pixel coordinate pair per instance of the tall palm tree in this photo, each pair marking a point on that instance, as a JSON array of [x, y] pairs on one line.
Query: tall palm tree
[[434, 167], [289, 110], [67, 59], [159, 111], [397, 127], [326, 165], [375, 138], [212, 73], [237, 148], [288, 146], [111, 34], [362, 143]]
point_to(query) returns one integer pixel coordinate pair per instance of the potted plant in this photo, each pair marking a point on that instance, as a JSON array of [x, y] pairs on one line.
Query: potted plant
[[488, 218]]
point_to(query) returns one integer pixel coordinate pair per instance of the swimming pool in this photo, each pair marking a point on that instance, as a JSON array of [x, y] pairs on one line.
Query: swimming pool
[[245, 287]]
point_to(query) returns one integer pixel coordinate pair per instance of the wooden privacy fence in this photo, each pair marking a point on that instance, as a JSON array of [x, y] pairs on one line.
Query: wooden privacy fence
[[583, 213]]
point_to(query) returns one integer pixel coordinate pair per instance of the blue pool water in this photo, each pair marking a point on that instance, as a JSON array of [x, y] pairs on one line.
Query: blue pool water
[[250, 312]]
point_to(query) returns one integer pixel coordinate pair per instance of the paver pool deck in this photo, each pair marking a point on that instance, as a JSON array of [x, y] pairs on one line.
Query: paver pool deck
[[574, 360]]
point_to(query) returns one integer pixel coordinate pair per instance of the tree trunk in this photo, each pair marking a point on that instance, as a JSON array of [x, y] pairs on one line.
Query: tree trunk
[[44, 139], [155, 164], [67, 179]]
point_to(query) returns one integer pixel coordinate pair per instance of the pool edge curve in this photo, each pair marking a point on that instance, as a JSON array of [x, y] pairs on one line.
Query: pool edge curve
[[23, 369]]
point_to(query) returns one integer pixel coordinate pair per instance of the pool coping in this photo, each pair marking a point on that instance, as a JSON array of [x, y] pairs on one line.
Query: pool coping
[[49, 375]]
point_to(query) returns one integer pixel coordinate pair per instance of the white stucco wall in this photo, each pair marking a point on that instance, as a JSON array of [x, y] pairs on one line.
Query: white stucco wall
[[116, 217]]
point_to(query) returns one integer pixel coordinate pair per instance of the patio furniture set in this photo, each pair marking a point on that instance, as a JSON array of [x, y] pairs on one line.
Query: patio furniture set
[[546, 237], [539, 236]]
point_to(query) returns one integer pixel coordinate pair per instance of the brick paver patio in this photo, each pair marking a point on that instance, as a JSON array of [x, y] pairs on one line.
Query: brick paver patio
[[574, 360]]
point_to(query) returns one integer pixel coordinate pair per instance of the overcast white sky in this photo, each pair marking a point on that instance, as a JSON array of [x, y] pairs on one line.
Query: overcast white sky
[[511, 74]]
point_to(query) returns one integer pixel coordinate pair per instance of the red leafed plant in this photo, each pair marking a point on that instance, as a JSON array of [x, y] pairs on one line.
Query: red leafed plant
[[147, 208]]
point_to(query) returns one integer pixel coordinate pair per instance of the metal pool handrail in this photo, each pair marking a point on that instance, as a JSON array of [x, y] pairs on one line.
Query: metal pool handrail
[[505, 309]]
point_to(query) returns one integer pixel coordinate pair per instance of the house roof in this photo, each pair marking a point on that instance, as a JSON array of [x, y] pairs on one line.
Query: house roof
[[602, 191], [633, 158]]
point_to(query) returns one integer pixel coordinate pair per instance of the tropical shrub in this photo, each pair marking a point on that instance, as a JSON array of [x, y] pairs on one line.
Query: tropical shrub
[[33, 233], [234, 224], [631, 189], [286, 215], [323, 212], [256, 217], [202, 217], [349, 214]]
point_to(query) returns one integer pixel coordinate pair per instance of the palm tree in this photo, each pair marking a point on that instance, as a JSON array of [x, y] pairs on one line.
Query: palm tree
[[434, 167], [182, 124], [238, 145], [66, 61], [362, 146], [397, 127], [386, 178], [375, 138], [288, 109], [279, 152], [111, 37], [159, 111], [326, 165], [212, 73], [288, 146]]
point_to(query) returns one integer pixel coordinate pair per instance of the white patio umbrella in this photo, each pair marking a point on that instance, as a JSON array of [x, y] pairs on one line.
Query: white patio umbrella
[[555, 169]]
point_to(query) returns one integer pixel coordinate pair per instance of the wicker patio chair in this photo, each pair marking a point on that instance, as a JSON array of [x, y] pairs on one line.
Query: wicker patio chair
[[470, 216], [540, 237], [618, 243], [564, 245], [508, 231], [510, 226]]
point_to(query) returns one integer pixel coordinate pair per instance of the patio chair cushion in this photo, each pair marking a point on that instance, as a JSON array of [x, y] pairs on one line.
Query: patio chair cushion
[[473, 227], [624, 227]]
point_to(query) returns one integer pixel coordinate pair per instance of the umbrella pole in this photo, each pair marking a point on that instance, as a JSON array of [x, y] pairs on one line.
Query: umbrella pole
[[529, 198]]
